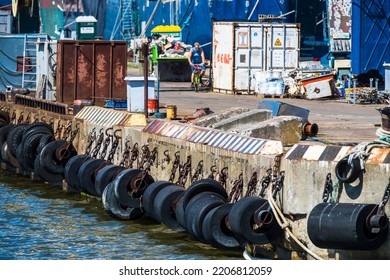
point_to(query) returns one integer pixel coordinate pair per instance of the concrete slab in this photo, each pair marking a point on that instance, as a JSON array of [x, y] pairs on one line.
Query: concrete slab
[[244, 120], [211, 119], [287, 129]]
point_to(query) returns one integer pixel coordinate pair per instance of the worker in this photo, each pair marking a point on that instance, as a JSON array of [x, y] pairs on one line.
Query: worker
[[196, 56]]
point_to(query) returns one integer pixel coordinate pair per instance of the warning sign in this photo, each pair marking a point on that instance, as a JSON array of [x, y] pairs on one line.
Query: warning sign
[[278, 43]]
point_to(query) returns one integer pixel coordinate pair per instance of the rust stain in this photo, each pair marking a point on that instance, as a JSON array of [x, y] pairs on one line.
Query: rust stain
[[71, 74], [101, 71], [82, 71], [378, 155], [118, 73]]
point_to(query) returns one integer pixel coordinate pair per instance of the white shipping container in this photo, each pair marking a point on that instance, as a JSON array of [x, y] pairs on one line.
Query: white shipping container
[[5, 21], [240, 49]]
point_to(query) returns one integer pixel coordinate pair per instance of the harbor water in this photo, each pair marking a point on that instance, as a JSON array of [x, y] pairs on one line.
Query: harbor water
[[41, 222]]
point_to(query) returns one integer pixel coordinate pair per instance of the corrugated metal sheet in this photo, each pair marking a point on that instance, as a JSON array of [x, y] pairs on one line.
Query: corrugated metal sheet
[[91, 70], [103, 117], [215, 138]]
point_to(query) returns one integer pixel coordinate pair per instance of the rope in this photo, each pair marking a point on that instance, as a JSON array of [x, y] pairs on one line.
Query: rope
[[284, 224]]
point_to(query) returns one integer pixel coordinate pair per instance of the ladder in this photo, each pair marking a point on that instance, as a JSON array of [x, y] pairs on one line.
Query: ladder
[[128, 26], [29, 70]]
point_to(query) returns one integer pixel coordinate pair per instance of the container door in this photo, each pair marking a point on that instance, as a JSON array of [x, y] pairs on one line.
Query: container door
[[223, 41], [283, 47], [249, 56]]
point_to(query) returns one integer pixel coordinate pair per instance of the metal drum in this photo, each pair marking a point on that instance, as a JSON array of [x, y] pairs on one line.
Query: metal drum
[[345, 226]]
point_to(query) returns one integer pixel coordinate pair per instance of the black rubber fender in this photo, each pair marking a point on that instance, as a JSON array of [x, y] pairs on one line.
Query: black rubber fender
[[15, 137], [163, 208], [242, 223], [123, 190], [48, 160], [195, 188], [45, 139], [29, 151], [86, 175], [150, 194], [8, 157], [4, 117], [71, 170], [42, 173], [348, 173], [3, 135], [216, 232], [196, 211], [105, 176], [113, 207], [37, 128]]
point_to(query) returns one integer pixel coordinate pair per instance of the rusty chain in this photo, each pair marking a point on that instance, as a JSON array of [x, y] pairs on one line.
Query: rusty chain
[[184, 170], [236, 190], [251, 189], [51, 123], [166, 158], [114, 146], [134, 155], [59, 129], [91, 140], [214, 171], [126, 155], [145, 154], [278, 184], [13, 117], [328, 188], [20, 119], [265, 181], [74, 133], [175, 165], [68, 130], [28, 118], [36, 118], [153, 157], [223, 176], [99, 141], [107, 142], [198, 174]]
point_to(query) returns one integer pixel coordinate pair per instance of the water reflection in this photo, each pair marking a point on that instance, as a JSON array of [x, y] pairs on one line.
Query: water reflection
[[38, 221]]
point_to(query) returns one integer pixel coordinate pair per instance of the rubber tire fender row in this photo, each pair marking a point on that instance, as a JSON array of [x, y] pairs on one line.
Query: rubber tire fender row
[[45, 139], [86, 175], [150, 195], [48, 160], [113, 207], [123, 184], [241, 221], [29, 152], [71, 169], [348, 173], [215, 231], [203, 185], [15, 137], [163, 206], [7, 156], [3, 135], [196, 211], [43, 174], [105, 176]]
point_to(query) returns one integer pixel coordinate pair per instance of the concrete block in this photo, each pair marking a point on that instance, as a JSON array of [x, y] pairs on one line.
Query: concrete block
[[211, 119], [287, 129], [244, 120]]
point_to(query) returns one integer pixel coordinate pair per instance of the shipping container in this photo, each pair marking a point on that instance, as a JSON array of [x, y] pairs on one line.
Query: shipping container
[[91, 70], [240, 49], [370, 35]]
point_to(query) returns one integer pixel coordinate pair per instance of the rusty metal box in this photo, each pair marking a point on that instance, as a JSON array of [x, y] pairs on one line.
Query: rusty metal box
[[92, 70]]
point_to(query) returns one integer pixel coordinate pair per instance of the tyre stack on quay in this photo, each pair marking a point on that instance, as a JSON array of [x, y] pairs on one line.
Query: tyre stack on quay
[[204, 210]]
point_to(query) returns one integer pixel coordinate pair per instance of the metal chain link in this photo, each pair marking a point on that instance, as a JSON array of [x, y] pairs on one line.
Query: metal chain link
[[175, 165], [13, 117], [184, 170], [265, 181], [278, 185], [107, 142], [214, 171], [126, 155], [237, 188], [251, 188], [328, 188], [21, 117], [114, 146], [134, 155], [68, 130], [74, 133], [91, 140], [98, 144], [28, 118], [223, 177], [198, 174]]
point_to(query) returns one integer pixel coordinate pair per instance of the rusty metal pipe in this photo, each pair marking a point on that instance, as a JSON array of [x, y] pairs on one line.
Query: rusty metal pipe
[[309, 130]]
